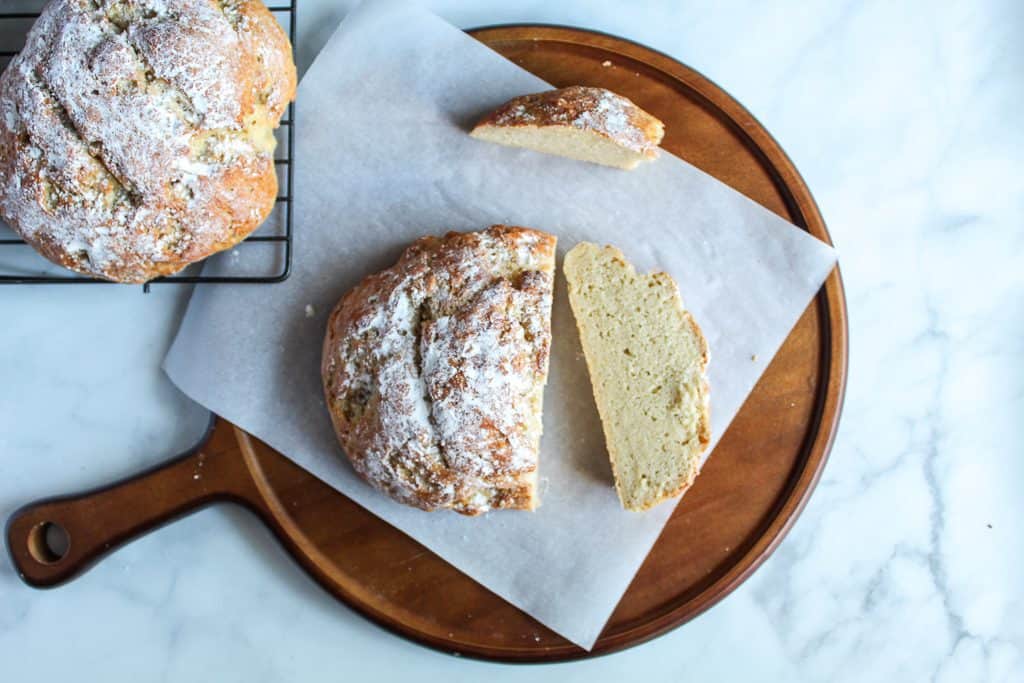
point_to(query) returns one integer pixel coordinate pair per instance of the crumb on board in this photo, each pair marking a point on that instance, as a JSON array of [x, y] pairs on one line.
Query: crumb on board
[[606, 62], [310, 311], [753, 357]]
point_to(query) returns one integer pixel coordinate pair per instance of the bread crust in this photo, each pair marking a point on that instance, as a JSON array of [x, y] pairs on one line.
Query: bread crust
[[433, 370], [136, 136]]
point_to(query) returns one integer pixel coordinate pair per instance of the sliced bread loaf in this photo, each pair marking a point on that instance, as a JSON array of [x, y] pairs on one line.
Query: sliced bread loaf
[[434, 370], [647, 360]]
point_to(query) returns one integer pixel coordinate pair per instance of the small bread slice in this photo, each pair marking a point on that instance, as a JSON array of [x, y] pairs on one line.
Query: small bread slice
[[589, 124], [647, 359]]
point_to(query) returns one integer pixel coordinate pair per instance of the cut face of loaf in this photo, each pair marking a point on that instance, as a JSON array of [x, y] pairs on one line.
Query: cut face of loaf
[[647, 360], [588, 124]]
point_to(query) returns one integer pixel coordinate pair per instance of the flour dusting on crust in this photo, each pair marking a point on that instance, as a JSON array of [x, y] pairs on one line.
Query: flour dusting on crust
[[137, 135], [593, 109], [434, 370]]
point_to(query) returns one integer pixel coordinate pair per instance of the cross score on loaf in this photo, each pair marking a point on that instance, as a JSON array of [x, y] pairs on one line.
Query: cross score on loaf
[[136, 136], [434, 370]]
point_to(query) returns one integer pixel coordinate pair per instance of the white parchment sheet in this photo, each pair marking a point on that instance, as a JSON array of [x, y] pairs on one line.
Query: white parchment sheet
[[382, 158]]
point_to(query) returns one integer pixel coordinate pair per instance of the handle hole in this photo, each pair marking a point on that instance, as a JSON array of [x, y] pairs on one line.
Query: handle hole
[[48, 542]]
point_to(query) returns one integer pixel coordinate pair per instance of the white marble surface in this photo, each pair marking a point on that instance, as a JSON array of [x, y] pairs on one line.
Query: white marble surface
[[907, 564]]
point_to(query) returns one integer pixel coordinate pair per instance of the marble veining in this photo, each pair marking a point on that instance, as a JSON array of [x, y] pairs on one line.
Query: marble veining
[[908, 563]]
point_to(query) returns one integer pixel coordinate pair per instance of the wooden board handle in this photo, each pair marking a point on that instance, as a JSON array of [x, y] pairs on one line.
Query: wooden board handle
[[53, 540]]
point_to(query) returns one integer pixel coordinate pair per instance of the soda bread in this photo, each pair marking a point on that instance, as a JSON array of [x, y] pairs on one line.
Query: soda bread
[[434, 370], [589, 124], [137, 136], [647, 360]]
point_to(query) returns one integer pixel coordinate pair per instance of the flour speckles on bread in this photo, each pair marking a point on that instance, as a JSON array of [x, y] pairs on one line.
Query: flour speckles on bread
[[434, 370], [589, 124], [136, 136]]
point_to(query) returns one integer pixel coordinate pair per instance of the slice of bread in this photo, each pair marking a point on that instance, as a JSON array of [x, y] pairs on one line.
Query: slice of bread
[[647, 360], [588, 124]]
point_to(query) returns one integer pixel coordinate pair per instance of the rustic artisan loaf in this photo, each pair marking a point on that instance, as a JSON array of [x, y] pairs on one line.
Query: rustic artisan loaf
[[647, 359], [434, 370], [137, 136], [589, 124]]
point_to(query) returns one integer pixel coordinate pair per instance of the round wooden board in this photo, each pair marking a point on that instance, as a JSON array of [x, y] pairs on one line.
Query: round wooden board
[[750, 492]]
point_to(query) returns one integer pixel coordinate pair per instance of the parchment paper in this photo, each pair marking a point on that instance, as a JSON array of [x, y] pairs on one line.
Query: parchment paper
[[383, 158]]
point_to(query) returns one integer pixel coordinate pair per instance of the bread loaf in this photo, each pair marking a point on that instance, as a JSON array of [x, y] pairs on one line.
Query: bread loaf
[[434, 370], [137, 136]]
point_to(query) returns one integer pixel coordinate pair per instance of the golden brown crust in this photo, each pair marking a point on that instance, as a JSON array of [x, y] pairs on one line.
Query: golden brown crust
[[594, 109], [434, 370], [136, 135]]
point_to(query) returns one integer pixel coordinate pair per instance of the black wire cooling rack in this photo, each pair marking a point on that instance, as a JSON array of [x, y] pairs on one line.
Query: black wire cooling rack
[[14, 26]]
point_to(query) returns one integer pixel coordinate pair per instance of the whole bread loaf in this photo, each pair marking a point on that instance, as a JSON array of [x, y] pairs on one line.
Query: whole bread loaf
[[137, 136]]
